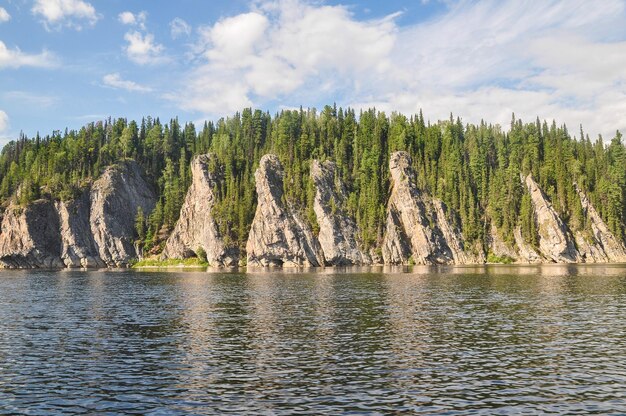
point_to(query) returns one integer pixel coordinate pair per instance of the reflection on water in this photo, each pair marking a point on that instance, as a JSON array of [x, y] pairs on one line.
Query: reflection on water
[[482, 339]]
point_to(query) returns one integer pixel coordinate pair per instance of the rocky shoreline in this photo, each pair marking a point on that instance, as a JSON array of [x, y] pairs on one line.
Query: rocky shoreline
[[96, 229]]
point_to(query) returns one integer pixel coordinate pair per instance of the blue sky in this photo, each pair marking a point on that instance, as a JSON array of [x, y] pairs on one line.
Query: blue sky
[[64, 63]]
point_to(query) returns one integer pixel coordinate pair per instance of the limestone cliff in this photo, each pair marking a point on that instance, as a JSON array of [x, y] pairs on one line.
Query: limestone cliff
[[196, 227], [278, 236], [525, 252], [497, 246], [555, 240], [338, 235], [96, 229], [78, 248], [417, 228], [115, 199], [601, 245], [29, 236]]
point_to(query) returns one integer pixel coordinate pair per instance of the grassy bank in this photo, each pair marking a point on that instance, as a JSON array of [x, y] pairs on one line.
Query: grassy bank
[[156, 263]]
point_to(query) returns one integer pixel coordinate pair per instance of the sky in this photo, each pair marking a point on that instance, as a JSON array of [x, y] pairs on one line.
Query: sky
[[65, 63]]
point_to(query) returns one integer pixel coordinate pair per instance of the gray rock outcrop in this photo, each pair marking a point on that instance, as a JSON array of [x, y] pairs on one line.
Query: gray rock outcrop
[[115, 199], [78, 248], [96, 229], [29, 236], [196, 227], [555, 240], [338, 235], [278, 236], [526, 253], [417, 228], [498, 246], [600, 245]]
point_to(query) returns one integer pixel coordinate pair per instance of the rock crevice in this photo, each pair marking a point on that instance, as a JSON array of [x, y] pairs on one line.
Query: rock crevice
[[96, 229], [196, 227], [417, 227], [338, 233], [278, 236]]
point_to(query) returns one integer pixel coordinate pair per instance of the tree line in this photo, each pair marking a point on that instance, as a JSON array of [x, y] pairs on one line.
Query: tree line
[[474, 168]]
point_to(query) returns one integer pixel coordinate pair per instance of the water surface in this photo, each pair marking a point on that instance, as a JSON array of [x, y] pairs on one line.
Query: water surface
[[428, 340]]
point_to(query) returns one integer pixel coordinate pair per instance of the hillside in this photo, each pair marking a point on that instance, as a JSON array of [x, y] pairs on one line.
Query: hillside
[[464, 193]]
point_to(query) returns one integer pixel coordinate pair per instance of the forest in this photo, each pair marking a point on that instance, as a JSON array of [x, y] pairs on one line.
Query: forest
[[474, 168]]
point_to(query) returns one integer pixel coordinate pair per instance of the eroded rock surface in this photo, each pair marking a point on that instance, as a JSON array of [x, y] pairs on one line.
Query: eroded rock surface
[[600, 245], [417, 228], [29, 236], [278, 236], [555, 240], [338, 235], [115, 199], [196, 227], [526, 253], [78, 248]]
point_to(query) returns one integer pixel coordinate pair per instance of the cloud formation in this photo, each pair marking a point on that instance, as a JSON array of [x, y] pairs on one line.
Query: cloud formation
[[142, 49], [132, 19], [70, 13], [4, 15], [115, 80], [554, 59], [15, 58], [178, 28], [280, 48], [4, 122]]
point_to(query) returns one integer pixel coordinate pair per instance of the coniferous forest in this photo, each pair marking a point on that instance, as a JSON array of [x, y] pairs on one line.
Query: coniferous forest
[[474, 168]]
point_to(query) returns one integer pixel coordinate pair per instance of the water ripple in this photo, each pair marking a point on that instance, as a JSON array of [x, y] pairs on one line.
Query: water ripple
[[444, 340]]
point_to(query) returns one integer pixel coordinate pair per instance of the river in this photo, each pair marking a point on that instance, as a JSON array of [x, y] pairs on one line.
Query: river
[[489, 339]]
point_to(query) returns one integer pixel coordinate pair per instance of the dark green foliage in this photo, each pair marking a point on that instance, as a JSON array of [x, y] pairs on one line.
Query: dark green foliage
[[474, 169]]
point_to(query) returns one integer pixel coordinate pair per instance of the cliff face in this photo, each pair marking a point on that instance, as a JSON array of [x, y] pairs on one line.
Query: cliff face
[[338, 235], [278, 236], [78, 248], [601, 245], [196, 226], [94, 230], [115, 198], [555, 240], [30, 236], [417, 228]]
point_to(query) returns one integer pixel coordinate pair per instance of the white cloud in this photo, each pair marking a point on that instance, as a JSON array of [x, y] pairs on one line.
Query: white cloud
[[178, 28], [142, 48], [129, 18], [15, 58], [281, 47], [479, 60], [555, 60], [115, 80], [4, 122], [30, 99], [58, 13], [4, 15]]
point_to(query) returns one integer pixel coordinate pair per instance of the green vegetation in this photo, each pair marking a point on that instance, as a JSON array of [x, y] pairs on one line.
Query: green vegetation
[[474, 169], [190, 262], [492, 258]]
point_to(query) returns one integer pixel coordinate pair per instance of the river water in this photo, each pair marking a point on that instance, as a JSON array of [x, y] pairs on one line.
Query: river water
[[491, 340]]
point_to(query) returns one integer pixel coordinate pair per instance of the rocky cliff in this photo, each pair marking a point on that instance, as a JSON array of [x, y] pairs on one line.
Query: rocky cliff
[[196, 227], [417, 227], [115, 199], [30, 236], [78, 248], [338, 233], [599, 244], [555, 240], [96, 229], [278, 236]]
